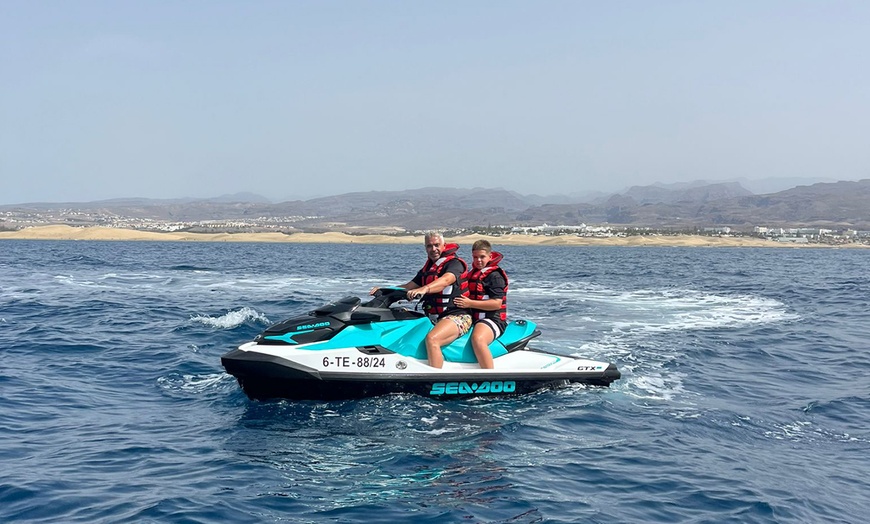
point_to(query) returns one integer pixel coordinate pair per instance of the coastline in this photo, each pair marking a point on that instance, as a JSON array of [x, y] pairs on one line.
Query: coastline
[[99, 233]]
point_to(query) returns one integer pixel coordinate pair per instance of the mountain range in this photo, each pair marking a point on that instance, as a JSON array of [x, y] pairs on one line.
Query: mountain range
[[843, 204]]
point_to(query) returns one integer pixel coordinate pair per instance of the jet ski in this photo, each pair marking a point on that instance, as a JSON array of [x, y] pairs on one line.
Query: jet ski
[[349, 349]]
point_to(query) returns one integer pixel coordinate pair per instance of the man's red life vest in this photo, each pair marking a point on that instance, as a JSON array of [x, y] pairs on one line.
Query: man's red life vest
[[438, 303], [476, 291]]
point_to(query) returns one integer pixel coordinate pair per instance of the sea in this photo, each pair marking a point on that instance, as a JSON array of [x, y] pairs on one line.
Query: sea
[[744, 397]]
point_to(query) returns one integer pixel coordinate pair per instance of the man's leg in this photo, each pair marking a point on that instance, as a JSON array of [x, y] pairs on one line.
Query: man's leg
[[444, 332]]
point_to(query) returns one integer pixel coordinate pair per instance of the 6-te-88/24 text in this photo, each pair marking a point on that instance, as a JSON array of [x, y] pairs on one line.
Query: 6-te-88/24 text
[[350, 362]]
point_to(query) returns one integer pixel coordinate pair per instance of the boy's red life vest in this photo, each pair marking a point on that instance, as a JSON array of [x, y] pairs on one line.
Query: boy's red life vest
[[476, 292], [438, 303]]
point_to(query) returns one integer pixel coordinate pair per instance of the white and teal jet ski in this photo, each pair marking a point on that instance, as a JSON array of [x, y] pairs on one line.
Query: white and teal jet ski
[[350, 349]]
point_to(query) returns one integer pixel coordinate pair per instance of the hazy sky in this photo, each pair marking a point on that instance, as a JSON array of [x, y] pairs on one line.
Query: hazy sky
[[294, 99]]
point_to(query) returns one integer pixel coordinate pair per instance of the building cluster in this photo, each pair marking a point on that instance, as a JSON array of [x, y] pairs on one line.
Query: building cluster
[[802, 235], [806, 235], [582, 230], [18, 219], [11, 220]]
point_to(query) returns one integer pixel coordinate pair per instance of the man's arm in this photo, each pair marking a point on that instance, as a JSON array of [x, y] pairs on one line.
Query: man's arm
[[436, 286], [450, 276]]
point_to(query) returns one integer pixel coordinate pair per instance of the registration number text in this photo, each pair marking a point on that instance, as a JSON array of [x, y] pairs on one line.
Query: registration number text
[[351, 362]]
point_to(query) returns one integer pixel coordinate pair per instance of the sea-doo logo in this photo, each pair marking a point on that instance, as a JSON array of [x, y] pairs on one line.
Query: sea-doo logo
[[312, 326], [464, 388]]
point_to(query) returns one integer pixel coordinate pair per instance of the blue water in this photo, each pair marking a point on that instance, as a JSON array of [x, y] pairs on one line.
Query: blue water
[[745, 394]]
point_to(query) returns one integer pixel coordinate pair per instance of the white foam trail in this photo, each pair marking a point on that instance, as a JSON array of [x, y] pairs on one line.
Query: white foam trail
[[132, 278], [633, 327], [233, 285], [194, 383], [70, 280], [232, 319], [648, 310], [651, 386]]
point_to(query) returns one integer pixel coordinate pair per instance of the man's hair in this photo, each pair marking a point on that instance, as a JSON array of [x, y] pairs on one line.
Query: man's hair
[[433, 234], [482, 244]]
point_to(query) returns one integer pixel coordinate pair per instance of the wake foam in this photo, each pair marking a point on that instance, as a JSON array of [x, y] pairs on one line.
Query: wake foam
[[591, 307], [643, 330], [232, 319], [691, 310], [188, 383]]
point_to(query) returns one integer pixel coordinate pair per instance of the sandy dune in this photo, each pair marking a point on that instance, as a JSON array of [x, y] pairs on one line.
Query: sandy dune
[[62, 232]]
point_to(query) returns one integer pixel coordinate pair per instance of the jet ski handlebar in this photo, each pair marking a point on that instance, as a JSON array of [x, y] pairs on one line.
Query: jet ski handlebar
[[386, 296]]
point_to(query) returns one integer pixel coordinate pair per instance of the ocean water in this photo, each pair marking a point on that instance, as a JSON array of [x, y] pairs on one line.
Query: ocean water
[[745, 394]]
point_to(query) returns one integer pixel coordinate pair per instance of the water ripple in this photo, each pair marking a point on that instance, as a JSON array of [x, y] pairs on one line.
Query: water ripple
[[742, 398]]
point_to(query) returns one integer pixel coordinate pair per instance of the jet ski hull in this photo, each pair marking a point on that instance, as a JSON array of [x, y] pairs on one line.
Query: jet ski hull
[[264, 376], [347, 350]]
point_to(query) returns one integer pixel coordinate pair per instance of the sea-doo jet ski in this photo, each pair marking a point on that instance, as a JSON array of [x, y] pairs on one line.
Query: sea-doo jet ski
[[350, 349]]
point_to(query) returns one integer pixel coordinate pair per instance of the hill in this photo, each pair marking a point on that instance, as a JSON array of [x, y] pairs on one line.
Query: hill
[[838, 204]]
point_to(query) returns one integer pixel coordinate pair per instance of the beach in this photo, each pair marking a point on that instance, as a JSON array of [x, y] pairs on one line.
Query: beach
[[63, 232]]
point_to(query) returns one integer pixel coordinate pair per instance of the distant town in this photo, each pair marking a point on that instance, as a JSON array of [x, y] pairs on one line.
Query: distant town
[[12, 220]]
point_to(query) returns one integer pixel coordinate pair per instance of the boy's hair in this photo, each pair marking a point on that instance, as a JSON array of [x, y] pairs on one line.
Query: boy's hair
[[482, 244]]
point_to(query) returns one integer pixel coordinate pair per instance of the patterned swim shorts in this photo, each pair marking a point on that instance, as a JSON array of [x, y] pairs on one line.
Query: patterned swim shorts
[[462, 321]]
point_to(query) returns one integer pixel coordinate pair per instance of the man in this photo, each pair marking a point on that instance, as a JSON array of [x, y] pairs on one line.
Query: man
[[439, 283], [487, 300]]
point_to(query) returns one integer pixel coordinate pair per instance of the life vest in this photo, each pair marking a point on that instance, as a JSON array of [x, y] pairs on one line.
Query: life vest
[[476, 291], [438, 303]]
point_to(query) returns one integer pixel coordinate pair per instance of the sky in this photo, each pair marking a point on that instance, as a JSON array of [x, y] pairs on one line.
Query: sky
[[298, 99]]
